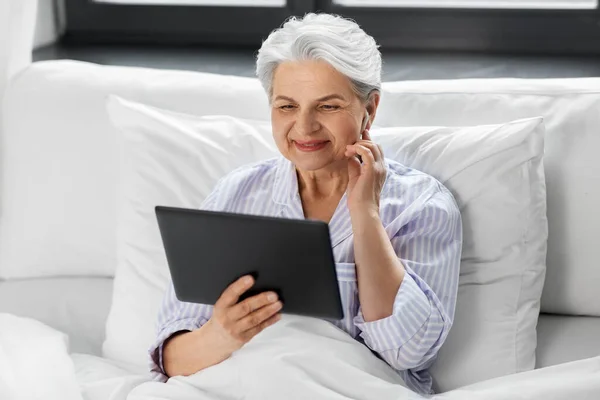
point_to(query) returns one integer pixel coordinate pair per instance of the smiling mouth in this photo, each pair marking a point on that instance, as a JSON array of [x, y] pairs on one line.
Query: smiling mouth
[[310, 146]]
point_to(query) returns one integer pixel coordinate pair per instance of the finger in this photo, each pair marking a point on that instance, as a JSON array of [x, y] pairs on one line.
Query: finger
[[249, 334], [353, 158], [374, 147], [251, 304], [353, 167], [232, 294], [259, 316], [351, 151], [365, 153]]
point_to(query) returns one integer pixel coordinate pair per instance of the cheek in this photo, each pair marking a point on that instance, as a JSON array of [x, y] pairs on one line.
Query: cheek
[[343, 129], [280, 127]]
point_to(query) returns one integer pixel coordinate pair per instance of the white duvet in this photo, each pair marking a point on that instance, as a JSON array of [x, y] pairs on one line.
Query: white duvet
[[34, 362], [305, 358], [297, 358]]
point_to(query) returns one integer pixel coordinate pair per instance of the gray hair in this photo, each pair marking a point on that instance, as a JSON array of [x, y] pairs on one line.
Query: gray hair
[[324, 37]]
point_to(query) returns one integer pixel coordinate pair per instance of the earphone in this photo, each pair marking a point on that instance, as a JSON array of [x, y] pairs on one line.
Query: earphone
[[365, 122], [362, 129]]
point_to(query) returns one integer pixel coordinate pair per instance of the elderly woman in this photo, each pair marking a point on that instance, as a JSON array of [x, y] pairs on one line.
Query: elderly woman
[[396, 232]]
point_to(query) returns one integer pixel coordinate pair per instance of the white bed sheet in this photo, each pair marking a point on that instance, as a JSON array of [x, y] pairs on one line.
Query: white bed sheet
[[76, 306], [103, 379], [291, 365], [300, 359]]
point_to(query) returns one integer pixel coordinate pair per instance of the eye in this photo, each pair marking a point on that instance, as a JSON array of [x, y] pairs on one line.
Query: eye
[[330, 107], [286, 107]]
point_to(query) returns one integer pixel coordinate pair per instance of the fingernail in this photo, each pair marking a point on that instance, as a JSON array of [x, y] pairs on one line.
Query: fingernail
[[272, 297], [248, 280]]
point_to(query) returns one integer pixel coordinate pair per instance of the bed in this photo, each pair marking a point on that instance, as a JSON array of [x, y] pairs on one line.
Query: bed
[[79, 308]]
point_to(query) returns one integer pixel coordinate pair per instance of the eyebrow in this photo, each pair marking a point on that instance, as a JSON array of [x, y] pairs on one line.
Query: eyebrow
[[324, 98]]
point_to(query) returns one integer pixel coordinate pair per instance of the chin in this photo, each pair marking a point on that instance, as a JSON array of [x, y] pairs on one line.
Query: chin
[[310, 165]]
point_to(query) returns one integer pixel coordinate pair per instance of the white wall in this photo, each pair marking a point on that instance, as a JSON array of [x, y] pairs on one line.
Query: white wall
[[50, 24]]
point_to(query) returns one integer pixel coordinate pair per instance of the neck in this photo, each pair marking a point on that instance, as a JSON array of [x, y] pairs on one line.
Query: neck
[[326, 182]]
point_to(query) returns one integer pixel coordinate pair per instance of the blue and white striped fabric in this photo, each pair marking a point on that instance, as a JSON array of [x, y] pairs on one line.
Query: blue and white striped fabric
[[424, 225]]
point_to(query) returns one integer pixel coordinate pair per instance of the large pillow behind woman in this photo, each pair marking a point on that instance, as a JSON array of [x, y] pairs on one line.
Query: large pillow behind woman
[[495, 173]]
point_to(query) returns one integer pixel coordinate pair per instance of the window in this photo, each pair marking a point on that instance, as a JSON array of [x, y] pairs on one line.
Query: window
[[534, 26]]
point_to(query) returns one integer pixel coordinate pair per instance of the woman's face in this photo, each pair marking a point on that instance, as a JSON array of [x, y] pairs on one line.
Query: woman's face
[[315, 114]]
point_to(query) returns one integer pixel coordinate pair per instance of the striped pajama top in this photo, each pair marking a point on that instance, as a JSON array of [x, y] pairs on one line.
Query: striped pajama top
[[423, 223]]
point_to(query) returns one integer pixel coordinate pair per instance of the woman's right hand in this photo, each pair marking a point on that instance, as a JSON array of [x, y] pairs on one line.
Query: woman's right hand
[[235, 324], [231, 325]]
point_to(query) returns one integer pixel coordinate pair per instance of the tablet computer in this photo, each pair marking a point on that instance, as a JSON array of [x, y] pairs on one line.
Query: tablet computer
[[207, 251]]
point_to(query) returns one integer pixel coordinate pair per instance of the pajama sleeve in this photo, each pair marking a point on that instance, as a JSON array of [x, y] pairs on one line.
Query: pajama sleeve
[[429, 247]]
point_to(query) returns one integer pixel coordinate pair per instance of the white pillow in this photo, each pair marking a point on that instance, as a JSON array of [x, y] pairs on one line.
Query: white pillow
[[166, 162], [495, 173], [34, 361]]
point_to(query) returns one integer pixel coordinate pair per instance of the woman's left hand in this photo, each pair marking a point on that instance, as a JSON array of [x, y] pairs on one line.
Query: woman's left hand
[[365, 180]]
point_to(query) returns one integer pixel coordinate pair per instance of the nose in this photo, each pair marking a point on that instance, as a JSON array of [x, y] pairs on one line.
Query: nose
[[306, 123]]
